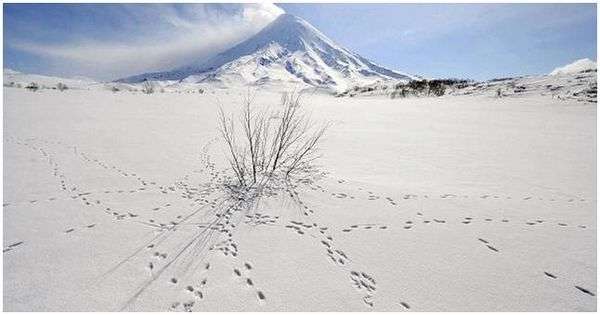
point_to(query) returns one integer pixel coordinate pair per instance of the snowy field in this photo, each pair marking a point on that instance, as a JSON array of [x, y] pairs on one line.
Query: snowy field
[[114, 201]]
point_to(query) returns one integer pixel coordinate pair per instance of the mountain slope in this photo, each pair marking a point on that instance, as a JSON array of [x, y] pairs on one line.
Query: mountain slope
[[576, 81], [575, 67], [287, 50]]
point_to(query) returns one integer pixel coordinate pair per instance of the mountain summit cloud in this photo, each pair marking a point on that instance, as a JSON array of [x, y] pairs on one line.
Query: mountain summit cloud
[[154, 37]]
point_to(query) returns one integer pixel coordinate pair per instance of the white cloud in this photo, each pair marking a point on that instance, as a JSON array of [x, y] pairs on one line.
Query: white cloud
[[258, 13], [175, 37]]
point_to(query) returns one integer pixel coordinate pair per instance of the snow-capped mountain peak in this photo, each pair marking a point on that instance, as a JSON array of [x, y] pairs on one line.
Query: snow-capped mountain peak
[[289, 49]]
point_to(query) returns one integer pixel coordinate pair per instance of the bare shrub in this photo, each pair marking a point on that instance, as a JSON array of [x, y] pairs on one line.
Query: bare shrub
[[147, 87], [417, 86], [61, 86], [32, 86], [264, 144], [436, 87]]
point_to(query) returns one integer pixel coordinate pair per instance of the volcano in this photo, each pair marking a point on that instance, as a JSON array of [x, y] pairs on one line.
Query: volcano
[[288, 50]]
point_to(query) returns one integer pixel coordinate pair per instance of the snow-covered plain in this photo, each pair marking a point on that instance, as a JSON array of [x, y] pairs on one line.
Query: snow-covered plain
[[457, 203]]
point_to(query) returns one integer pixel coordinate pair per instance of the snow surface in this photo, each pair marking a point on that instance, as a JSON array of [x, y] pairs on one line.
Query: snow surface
[[289, 50], [46, 81], [461, 203], [575, 67]]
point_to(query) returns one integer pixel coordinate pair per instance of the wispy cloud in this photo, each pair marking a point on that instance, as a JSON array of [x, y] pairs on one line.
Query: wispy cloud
[[156, 37]]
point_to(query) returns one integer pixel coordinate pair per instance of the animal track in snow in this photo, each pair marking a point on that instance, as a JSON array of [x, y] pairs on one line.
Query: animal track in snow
[[260, 219], [11, 246], [586, 291], [365, 284], [488, 245], [365, 226]]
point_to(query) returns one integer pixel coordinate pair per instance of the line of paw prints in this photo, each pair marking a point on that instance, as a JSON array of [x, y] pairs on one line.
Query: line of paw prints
[[260, 219], [550, 275], [197, 292], [373, 196], [243, 275], [365, 226], [365, 284], [71, 230], [226, 247]]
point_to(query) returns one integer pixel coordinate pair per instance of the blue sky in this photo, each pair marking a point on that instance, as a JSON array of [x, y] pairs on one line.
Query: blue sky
[[477, 41]]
